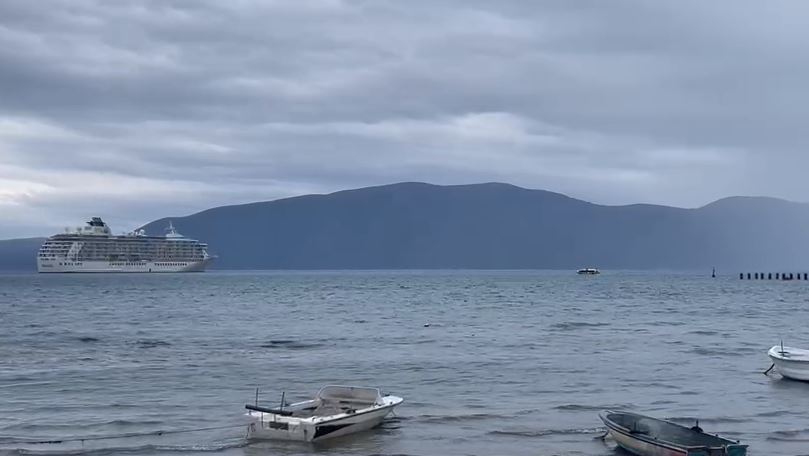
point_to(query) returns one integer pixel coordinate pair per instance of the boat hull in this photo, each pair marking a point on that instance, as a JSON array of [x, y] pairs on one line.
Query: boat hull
[[267, 426], [63, 266], [650, 443], [795, 369], [634, 445]]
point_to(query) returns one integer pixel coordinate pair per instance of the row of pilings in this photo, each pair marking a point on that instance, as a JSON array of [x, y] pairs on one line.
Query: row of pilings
[[776, 276]]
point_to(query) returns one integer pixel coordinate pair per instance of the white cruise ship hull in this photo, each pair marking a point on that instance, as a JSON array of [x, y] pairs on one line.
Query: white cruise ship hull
[[121, 266]]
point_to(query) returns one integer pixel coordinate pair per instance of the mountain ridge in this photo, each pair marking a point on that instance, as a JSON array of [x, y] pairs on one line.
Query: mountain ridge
[[416, 225]]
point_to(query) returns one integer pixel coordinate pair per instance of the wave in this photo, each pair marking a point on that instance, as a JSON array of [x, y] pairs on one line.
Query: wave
[[151, 343], [150, 448], [67, 440], [573, 325], [701, 332], [547, 432], [591, 408], [289, 344], [88, 339], [18, 384], [717, 420], [774, 413], [706, 351], [662, 385], [411, 341], [790, 432], [666, 323], [787, 439], [390, 454], [120, 422], [82, 426], [456, 418], [793, 435]]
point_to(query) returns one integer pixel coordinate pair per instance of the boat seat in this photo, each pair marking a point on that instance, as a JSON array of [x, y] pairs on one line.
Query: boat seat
[[331, 408], [638, 428], [268, 410]]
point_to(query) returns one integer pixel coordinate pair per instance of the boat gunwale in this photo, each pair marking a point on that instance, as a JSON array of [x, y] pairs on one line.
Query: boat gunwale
[[775, 354], [322, 419], [612, 425]]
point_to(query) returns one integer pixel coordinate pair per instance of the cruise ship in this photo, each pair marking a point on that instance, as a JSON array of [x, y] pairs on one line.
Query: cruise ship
[[93, 248]]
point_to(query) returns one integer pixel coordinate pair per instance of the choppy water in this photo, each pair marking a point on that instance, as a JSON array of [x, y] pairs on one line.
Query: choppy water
[[512, 363]]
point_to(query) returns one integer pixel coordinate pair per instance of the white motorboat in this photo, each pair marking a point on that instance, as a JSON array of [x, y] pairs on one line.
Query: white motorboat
[[790, 362], [588, 271], [334, 412]]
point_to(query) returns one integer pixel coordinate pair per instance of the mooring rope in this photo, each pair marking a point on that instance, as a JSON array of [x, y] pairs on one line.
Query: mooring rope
[[111, 437]]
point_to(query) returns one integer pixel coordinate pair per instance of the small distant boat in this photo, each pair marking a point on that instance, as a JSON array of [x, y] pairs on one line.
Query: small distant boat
[[334, 412], [790, 362], [646, 436], [588, 271]]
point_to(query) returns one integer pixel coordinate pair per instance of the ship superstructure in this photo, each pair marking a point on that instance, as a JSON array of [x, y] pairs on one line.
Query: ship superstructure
[[93, 248]]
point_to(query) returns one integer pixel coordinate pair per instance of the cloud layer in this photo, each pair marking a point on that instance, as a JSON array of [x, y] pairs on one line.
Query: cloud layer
[[144, 109]]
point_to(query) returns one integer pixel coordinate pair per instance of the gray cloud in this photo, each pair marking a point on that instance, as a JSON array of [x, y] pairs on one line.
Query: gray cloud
[[142, 109]]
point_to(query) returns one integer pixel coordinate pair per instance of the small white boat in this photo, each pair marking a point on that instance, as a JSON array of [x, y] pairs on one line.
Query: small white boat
[[334, 412], [647, 436], [588, 271], [790, 362]]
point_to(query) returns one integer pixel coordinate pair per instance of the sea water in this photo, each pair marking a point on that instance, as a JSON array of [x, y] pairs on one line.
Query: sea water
[[489, 362]]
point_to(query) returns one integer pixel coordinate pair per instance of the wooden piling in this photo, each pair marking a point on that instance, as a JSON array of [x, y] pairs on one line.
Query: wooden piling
[[769, 276]]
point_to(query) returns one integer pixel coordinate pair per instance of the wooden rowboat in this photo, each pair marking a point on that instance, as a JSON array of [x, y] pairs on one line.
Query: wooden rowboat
[[646, 436]]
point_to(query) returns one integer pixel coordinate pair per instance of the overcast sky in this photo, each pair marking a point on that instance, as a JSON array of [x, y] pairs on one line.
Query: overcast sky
[[140, 110]]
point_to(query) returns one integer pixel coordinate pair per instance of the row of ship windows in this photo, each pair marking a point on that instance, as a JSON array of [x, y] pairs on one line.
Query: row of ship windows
[[144, 264], [116, 263], [116, 248], [78, 263], [126, 264], [118, 253], [113, 244], [107, 242]]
